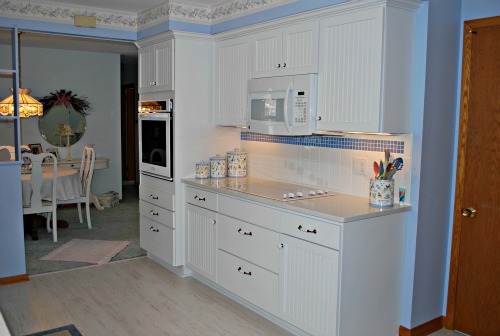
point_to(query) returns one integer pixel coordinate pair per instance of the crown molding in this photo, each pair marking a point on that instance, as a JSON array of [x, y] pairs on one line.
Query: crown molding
[[171, 11], [65, 14]]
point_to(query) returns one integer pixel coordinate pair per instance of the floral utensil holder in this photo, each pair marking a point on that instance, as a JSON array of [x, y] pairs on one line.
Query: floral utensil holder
[[381, 193]]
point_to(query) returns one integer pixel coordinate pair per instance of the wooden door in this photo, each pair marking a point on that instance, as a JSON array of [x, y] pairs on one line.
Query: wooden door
[[474, 291], [128, 111]]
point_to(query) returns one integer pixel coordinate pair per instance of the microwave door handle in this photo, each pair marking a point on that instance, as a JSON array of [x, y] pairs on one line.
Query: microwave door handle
[[285, 109]]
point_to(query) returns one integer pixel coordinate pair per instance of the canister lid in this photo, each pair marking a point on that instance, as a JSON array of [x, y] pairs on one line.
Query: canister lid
[[202, 163], [236, 151], [217, 157]]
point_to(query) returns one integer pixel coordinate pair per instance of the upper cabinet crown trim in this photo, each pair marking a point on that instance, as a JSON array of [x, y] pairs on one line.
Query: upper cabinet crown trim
[[317, 14]]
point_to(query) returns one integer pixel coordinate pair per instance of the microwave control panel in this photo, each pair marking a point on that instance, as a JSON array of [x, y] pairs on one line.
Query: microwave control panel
[[300, 107]]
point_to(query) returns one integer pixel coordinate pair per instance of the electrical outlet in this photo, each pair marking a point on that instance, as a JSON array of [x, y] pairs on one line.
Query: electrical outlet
[[359, 165]]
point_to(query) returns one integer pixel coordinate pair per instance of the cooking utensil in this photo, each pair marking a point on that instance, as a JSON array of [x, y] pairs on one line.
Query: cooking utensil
[[398, 163], [376, 168], [387, 170], [390, 174], [387, 156], [381, 170]]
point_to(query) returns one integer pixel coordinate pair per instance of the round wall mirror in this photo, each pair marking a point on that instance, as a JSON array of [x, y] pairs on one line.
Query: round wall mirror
[[61, 123]]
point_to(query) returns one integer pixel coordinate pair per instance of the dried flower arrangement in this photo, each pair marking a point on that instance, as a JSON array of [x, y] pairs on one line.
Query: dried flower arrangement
[[66, 98]]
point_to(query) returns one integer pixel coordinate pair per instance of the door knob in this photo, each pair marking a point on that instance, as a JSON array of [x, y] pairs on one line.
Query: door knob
[[469, 212]]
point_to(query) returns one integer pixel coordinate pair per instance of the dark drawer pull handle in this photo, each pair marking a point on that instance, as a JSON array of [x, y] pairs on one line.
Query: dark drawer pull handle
[[199, 198], [245, 233], [154, 230], [243, 272], [153, 213], [153, 197], [307, 230]]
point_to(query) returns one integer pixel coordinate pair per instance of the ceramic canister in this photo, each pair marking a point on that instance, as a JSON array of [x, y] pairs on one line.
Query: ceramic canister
[[381, 193], [236, 163], [218, 166], [201, 170]]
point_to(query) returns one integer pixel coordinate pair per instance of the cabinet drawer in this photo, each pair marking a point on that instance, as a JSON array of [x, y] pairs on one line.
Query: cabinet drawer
[[250, 212], [157, 183], [157, 214], [157, 197], [202, 198], [249, 242], [312, 230], [248, 281], [157, 239]]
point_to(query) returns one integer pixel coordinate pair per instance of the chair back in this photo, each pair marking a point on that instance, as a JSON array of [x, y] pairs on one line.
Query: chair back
[[37, 177], [12, 151], [87, 169]]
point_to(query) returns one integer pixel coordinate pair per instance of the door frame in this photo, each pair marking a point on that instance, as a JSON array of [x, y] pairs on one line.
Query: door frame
[[469, 27]]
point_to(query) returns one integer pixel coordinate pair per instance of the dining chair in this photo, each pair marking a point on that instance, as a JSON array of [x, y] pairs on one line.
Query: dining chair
[[37, 204], [86, 173]]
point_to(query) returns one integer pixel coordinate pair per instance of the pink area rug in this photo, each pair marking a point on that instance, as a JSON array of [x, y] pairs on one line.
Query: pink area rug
[[89, 251]]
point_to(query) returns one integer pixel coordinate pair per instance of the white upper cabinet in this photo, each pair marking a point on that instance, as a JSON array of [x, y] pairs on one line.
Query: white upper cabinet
[[232, 71], [286, 51], [365, 71], [156, 67]]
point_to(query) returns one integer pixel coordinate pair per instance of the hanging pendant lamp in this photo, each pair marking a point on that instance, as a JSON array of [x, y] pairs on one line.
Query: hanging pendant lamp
[[28, 106]]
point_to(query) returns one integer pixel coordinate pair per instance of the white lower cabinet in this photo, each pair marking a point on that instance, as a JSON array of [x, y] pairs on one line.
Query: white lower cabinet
[[158, 239], [201, 244], [249, 281], [308, 285], [315, 276]]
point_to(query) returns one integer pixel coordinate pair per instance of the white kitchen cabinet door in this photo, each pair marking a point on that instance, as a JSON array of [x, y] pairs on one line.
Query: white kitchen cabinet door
[[156, 71], [147, 65], [308, 286], [201, 247], [350, 72], [365, 71], [292, 50], [232, 71]]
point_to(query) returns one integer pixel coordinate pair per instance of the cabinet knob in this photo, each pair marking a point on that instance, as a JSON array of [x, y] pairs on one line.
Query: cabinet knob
[[153, 213], [318, 118], [279, 65], [154, 230], [280, 245], [214, 221], [284, 65], [153, 197]]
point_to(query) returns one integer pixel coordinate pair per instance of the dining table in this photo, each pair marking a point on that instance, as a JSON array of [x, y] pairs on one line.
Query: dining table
[[68, 187], [68, 184]]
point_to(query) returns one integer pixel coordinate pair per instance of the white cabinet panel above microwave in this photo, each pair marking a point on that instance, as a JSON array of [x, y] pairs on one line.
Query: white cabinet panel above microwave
[[286, 51]]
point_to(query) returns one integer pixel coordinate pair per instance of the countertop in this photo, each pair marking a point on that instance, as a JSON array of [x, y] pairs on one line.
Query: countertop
[[340, 207]]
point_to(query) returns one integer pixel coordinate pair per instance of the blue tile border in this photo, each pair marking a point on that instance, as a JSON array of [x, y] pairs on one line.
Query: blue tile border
[[371, 145]]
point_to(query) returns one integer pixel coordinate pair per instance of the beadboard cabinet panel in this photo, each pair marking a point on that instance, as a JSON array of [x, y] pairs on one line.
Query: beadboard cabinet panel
[[201, 248], [156, 67], [232, 71]]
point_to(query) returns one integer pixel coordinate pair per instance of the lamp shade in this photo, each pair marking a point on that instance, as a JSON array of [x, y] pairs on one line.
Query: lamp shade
[[67, 130], [28, 106]]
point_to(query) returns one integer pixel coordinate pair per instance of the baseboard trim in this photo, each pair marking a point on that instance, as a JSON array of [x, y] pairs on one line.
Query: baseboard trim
[[423, 329], [14, 279]]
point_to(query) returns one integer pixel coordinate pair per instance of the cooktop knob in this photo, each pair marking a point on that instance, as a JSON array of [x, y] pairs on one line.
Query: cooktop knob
[[284, 196], [312, 193], [299, 194], [320, 192], [291, 195]]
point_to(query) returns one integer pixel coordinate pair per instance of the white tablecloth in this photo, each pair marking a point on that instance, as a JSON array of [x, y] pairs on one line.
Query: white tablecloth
[[68, 184]]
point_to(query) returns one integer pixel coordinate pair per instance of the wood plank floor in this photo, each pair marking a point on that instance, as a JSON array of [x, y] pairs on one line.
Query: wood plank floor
[[132, 297]]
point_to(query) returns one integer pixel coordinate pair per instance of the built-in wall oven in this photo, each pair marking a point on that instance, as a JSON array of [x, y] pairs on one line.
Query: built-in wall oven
[[156, 138]]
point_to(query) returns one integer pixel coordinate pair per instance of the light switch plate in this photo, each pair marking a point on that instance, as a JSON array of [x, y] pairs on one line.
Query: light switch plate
[[359, 165]]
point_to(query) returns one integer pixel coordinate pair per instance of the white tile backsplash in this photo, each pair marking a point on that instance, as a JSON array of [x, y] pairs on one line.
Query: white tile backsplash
[[330, 168]]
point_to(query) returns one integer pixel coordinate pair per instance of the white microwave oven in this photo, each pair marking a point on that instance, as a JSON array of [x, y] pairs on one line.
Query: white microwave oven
[[282, 105]]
